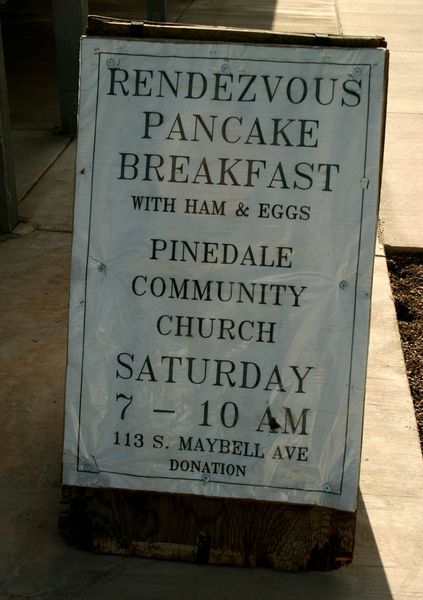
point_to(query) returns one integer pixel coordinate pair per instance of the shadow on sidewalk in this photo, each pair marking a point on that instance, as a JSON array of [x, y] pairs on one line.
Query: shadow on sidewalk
[[44, 567], [29, 45], [30, 53]]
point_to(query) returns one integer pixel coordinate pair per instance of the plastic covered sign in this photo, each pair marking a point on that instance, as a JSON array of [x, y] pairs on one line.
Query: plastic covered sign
[[225, 218]]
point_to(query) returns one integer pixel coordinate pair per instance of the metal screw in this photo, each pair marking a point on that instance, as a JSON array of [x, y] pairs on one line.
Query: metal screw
[[357, 71], [101, 268], [225, 68], [327, 487], [343, 285], [110, 62], [206, 478]]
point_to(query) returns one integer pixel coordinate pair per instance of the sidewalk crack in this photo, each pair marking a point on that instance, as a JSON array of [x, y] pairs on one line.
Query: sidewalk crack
[[338, 17]]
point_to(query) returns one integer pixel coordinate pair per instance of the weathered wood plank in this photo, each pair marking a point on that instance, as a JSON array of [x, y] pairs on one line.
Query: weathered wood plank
[[107, 27], [208, 530]]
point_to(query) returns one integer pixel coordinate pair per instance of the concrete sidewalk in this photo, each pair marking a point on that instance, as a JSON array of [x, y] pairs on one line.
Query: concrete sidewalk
[[34, 561]]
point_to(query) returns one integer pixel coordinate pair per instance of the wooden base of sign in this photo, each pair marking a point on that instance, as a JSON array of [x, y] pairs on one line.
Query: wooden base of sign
[[207, 530]]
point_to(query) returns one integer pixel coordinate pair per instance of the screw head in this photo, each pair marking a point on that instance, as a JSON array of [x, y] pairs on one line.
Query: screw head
[[327, 487], [206, 478], [343, 284], [110, 62], [225, 68], [357, 71]]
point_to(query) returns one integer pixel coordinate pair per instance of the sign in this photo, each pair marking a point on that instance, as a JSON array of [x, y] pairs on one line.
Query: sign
[[225, 218]]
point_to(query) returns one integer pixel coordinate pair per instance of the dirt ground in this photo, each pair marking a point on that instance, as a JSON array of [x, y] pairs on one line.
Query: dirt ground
[[406, 274]]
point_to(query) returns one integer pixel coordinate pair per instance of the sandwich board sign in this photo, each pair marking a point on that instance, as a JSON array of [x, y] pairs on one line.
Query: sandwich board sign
[[224, 231]]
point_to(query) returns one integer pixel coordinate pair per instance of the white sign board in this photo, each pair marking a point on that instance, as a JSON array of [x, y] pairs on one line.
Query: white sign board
[[225, 217]]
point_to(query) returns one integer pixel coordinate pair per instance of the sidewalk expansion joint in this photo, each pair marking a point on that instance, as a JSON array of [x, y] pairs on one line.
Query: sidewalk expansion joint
[[44, 171]]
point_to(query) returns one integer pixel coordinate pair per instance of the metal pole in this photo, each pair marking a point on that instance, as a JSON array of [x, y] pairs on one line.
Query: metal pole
[[70, 22], [156, 10], [8, 200]]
